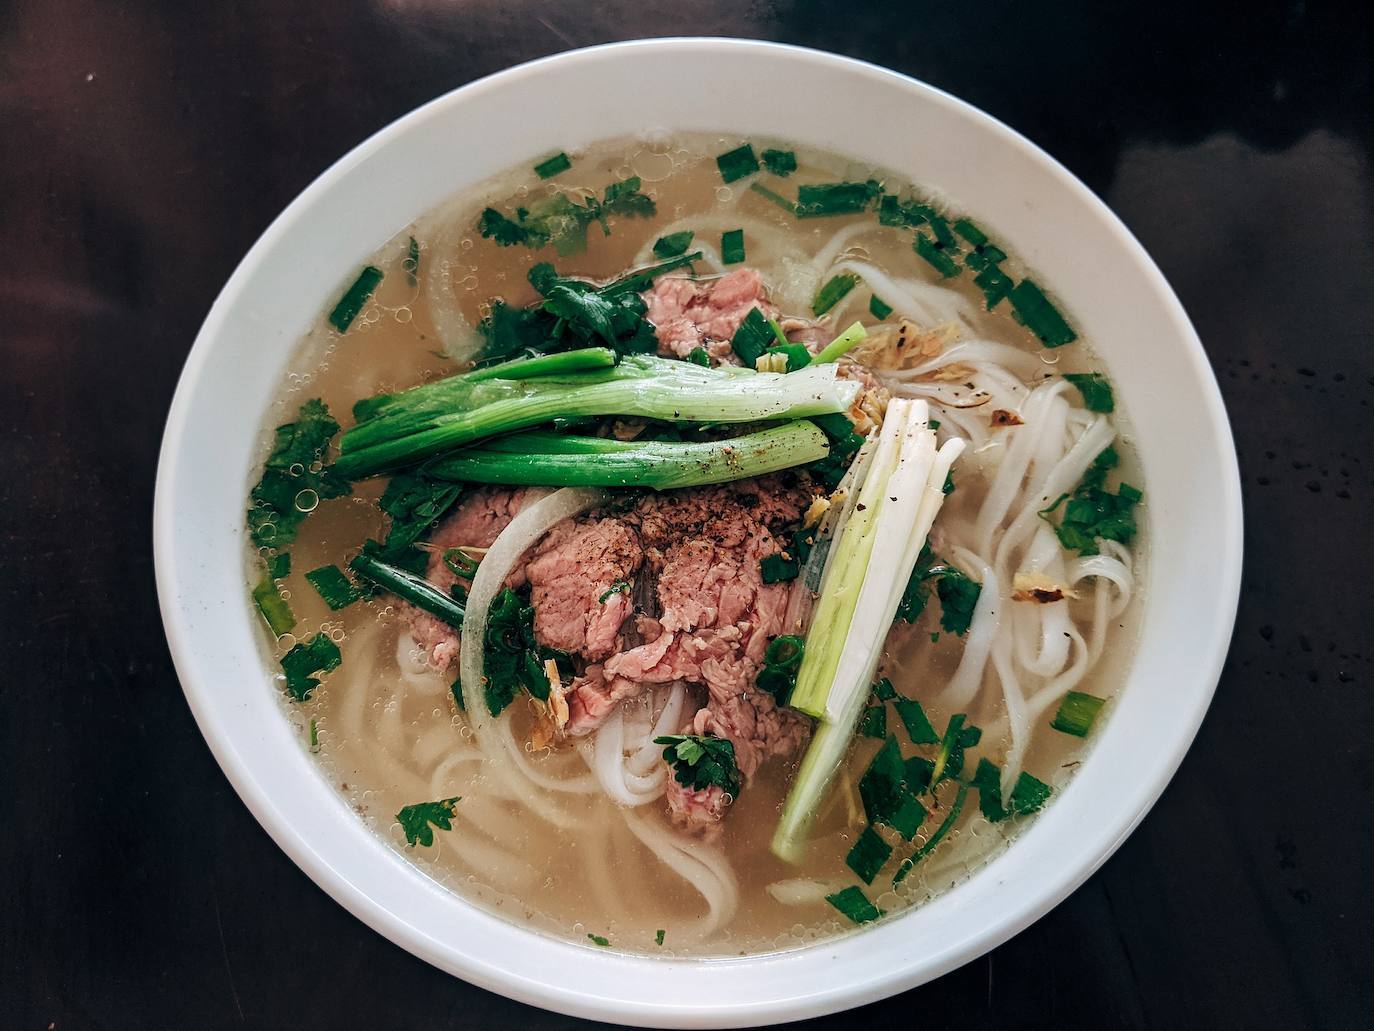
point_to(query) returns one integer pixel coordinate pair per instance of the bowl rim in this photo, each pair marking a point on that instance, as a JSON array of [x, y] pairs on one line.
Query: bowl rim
[[732, 1012]]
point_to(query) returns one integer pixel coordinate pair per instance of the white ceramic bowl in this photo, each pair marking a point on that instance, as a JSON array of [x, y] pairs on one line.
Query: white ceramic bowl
[[1076, 246]]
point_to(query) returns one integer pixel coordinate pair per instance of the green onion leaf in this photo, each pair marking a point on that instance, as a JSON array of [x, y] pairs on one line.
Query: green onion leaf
[[337, 590], [658, 936], [1076, 713], [775, 197], [780, 162], [1096, 391], [753, 338], [913, 717], [894, 212], [879, 308], [738, 163], [409, 587], [700, 356], [779, 568], [970, 232], [353, 299], [1033, 309], [271, 604], [874, 722], [868, 855], [416, 820], [995, 285], [550, 167], [619, 587], [884, 690], [1028, 794], [935, 839], [833, 292], [835, 198], [881, 786], [732, 246], [781, 661], [854, 904], [599, 940], [948, 743], [908, 818], [938, 259], [302, 662], [673, 244]]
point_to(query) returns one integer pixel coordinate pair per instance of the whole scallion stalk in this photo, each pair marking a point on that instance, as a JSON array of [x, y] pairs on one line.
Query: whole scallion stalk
[[414, 426], [555, 460]]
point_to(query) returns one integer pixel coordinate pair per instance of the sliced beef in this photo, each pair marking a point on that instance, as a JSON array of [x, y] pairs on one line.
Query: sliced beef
[[580, 585], [475, 523], [692, 313]]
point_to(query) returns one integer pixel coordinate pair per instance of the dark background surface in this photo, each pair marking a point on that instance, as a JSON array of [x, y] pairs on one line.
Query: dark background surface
[[145, 147]]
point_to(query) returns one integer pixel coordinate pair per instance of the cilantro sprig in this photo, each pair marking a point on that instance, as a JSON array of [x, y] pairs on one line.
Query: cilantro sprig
[[562, 221], [294, 478], [702, 761], [958, 593], [419, 820], [1094, 513]]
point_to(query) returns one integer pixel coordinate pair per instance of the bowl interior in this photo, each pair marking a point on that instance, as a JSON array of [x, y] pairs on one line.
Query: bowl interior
[[1077, 248]]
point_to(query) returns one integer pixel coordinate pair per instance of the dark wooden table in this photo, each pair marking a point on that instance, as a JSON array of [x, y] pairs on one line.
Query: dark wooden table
[[145, 147]]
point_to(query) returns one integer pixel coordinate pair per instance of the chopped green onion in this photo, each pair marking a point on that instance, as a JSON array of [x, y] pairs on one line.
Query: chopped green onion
[[935, 839], [658, 936], [302, 662], [938, 259], [1028, 795], [601, 941], [1033, 309], [879, 308], [854, 904], [835, 198], [780, 162], [337, 590], [868, 855], [947, 745], [737, 163], [841, 345], [354, 298], [832, 292], [1096, 391], [619, 587], [781, 661], [798, 357], [913, 717], [673, 244], [874, 722], [884, 690], [908, 818], [700, 356], [970, 232], [732, 246], [1076, 713], [550, 167], [894, 212], [271, 604], [943, 236], [774, 196], [995, 285], [882, 786], [409, 587], [314, 735], [753, 338], [779, 568]]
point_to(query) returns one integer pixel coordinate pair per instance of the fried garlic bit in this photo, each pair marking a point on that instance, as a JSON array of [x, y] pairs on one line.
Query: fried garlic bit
[[815, 511], [1039, 588], [1002, 417]]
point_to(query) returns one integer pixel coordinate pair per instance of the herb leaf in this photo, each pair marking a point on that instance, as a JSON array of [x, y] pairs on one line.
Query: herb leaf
[[732, 246], [1028, 794], [673, 244], [512, 658], [879, 308], [303, 661], [550, 167], [914, 718], [1094, 513], [271, 604], [1033, 309], [1077, 712], [416, 820], [835, 198], [781, 661], [292, 469], [832, 292], [701, 761], [958, 593]]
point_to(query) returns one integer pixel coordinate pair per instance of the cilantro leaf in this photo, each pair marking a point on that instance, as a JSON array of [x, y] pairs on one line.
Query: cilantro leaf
[[1094, 513], [293, 477], [957, 591], [305, 660], [562, 221], [416, 820], [337, 590], [512, 658], [701, 761]]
